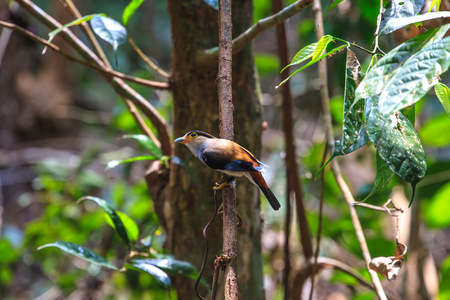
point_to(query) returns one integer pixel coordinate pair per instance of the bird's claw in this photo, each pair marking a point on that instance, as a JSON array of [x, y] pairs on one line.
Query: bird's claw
[[221, 185]]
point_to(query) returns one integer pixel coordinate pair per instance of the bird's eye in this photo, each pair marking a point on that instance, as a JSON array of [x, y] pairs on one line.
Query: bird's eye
[[194, 135]]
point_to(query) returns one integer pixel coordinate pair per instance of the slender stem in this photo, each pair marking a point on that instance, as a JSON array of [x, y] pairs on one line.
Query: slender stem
[[325, 99], [209, 56], [147, 60], [377, 30], [319, 227], [325, 262], [224, 85]]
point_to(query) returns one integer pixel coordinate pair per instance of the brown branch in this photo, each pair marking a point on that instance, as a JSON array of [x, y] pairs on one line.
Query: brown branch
[[209, 56], [294, 186], [325, 99], [224, 86], [119, 85]]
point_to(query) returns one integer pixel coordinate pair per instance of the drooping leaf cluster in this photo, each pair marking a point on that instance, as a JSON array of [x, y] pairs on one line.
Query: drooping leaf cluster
[[379, 105]]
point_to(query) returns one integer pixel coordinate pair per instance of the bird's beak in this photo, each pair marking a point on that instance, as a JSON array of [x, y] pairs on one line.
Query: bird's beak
[[181, 140]]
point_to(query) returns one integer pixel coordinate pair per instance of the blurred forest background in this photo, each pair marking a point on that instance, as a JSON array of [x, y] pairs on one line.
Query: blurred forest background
[[61, 124]]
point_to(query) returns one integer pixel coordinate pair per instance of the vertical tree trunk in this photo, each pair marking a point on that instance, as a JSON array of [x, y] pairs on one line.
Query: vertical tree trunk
[[184, 197]]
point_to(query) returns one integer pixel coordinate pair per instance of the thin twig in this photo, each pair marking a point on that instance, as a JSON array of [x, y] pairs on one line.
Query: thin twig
[[205, 255], [384, 208], [319, 226], [325, 99], [147, 60], [377, 30], [209, 56]]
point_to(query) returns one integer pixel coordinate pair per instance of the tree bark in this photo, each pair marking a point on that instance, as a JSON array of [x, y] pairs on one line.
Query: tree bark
[[183, 195]]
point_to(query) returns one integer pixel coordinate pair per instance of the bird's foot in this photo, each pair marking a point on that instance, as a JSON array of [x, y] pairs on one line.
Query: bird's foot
[[221, 185]]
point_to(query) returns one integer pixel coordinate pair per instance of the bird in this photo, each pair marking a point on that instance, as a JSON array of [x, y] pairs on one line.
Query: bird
[[228, 157]]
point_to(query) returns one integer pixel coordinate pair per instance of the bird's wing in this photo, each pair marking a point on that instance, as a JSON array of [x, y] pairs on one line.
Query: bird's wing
[[227, 155]]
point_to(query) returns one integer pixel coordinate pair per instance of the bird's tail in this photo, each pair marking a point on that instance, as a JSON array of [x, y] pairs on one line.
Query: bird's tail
[[261, 183]]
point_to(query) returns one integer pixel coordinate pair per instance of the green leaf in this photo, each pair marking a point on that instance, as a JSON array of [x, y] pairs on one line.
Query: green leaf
[[443, 93], [154, 271], [434, 3], [394, 24], [436, 211], [114, 163], [416, 77], [81, 252], [384, 175], [130, 225], [130, 10], [322, 46], [119, 227], [434, 132], [333, 5], [173, 267], [109, 30], [397, 142], [146, 142], [313, 62], [396, 11], [302, 55], [74, 22], [407, 72], [354, 133]]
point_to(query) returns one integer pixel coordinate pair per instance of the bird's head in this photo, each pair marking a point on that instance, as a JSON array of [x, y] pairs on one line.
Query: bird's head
[[194, 140]]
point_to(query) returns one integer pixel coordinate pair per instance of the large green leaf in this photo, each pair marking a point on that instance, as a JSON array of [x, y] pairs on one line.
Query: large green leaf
[[81, 252], [396, 141], [407, 72], [111, 212], [130, 10], [154, 271], [354, 133], [397, 10], [109, 30], [443, 93], [394, 24], [416, 77]]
